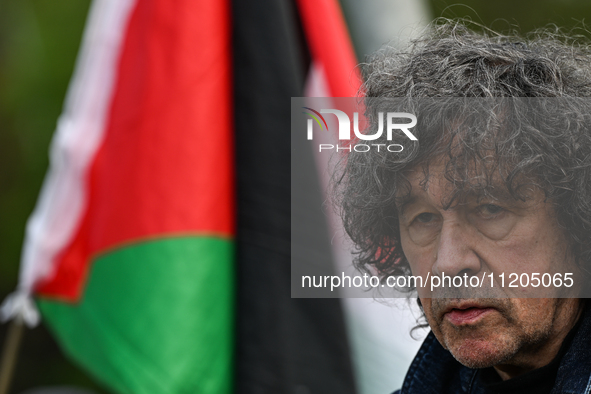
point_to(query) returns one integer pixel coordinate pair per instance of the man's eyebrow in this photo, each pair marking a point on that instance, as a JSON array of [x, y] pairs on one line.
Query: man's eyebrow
[[404, 202], [495, 192], [499, 193]]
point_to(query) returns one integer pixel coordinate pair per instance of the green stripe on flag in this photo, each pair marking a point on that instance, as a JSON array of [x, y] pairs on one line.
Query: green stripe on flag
[[156, 317]]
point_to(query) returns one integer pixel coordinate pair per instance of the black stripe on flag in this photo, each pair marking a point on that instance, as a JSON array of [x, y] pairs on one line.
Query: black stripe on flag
[[284, 345]]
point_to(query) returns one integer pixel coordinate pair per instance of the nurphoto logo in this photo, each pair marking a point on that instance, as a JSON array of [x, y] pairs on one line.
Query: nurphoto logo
[[344, 132]]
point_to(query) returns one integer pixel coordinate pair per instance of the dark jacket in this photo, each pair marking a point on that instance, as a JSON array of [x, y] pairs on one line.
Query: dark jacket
[[434, 370]]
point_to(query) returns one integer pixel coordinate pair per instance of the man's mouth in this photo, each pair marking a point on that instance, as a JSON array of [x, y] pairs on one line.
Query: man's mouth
[[468, 314]]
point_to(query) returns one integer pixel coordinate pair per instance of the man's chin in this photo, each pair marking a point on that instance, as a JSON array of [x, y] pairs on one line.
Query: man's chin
[[481, 353]]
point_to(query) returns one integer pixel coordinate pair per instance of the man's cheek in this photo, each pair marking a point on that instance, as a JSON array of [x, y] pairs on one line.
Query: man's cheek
[[434, 324], [421, 266], [429, 314]]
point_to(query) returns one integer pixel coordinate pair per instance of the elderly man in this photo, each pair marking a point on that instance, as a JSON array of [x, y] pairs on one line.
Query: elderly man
[[497, 186]]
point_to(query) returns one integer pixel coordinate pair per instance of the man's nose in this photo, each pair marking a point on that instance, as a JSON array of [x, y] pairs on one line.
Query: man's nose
[[456, 252]]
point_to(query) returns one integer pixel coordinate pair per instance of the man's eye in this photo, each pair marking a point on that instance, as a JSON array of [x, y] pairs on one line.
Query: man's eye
[[425, 217], [494, 221], [424, 227], [490, 209]]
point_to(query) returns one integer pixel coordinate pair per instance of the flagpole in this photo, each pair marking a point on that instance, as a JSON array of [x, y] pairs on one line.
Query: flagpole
[[10, 352]]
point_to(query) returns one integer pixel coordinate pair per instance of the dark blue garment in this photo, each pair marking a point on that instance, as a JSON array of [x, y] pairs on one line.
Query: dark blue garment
[[435, 371]]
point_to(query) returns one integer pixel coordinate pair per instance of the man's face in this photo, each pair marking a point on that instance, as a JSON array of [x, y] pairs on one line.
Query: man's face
[[488, 235]]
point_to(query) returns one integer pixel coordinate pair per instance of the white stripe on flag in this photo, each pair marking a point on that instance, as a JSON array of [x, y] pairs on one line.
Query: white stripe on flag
[[79, 134]]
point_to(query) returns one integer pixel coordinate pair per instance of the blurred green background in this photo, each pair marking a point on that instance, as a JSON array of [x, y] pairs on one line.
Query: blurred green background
[[39, 40]]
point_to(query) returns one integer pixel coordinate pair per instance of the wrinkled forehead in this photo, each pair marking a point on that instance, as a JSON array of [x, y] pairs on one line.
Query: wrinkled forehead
[[443, 181]]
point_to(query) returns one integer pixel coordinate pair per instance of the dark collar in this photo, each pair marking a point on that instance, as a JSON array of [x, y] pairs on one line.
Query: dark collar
[[574, 373]]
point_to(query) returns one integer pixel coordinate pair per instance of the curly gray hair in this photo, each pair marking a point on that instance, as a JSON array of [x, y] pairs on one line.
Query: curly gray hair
[[450, 60]]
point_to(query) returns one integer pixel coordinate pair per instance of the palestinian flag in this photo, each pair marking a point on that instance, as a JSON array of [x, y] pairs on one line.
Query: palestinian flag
[[159, 250], [130, 251]]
